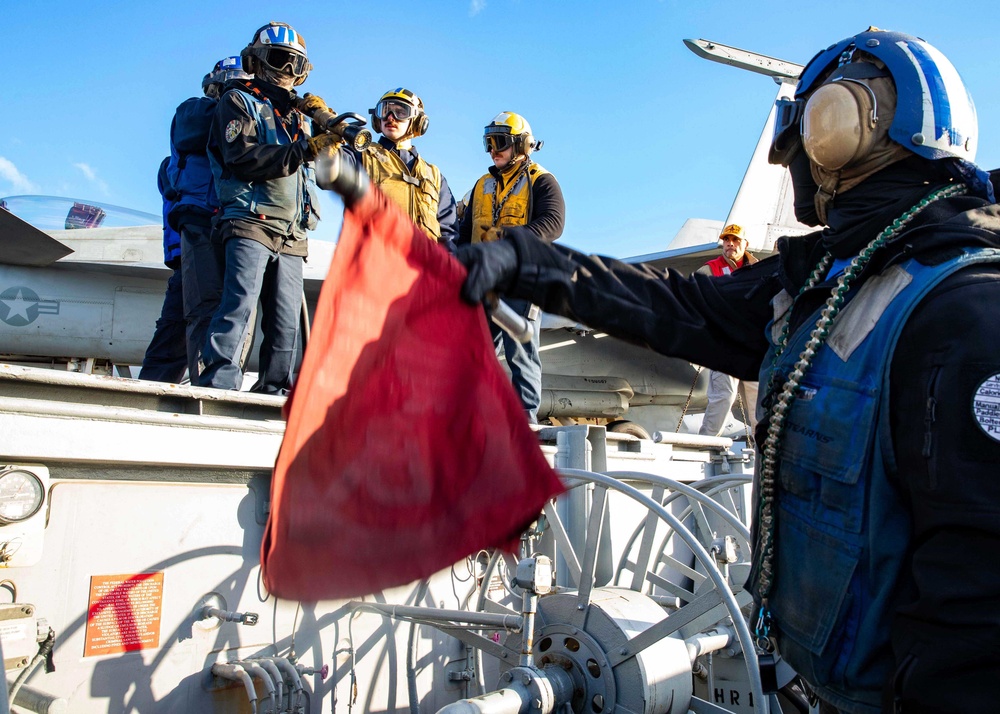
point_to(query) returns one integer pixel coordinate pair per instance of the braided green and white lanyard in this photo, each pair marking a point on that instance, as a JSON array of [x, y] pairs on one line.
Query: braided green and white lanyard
[[779, 411]]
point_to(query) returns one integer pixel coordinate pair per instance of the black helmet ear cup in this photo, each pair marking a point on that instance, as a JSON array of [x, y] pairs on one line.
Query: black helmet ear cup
[[376, 122], [249, 61]]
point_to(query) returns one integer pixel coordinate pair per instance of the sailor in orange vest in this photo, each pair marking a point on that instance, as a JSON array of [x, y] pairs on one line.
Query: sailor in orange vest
[[722, 387]]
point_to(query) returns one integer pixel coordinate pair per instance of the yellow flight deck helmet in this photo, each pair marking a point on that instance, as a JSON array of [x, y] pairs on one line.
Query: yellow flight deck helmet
[[403, 104], [510, 129]]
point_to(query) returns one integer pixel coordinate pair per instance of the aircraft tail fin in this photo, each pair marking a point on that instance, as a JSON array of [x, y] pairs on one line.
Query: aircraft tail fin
[[764, 204]]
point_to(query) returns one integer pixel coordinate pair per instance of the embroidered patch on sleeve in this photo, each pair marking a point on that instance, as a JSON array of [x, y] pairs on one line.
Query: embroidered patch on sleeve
[[233, 130], [986, 406]]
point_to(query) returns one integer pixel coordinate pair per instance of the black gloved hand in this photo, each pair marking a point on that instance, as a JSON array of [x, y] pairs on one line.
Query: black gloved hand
[[492, 267]]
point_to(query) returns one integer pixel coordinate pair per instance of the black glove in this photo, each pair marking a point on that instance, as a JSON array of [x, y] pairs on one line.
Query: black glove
[[492, 267]]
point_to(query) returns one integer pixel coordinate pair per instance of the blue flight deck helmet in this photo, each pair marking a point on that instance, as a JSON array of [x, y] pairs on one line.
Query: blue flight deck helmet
[[229, 68], [224, 70], [935, 116]]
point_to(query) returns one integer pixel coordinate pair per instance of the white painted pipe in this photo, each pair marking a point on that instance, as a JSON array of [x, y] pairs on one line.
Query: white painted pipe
[[236, 673], [256, 670], [276, 677]]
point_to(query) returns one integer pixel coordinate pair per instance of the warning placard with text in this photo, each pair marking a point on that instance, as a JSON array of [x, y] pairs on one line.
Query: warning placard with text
[[124, 613]]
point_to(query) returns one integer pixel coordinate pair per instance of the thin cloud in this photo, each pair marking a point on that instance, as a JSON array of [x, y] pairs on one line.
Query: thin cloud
[[92, 177], [18, 181], [476, 7]]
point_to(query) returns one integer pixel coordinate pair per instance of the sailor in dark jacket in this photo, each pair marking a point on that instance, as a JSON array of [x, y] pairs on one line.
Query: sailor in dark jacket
[[515, 192], [874, 343], [197, 204], [260, 148]]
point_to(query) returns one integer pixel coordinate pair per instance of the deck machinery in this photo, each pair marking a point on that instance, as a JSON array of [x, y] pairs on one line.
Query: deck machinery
[[131, 517]]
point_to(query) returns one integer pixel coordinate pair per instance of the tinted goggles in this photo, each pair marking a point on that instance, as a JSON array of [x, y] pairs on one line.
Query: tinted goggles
[[397, 110], [497, 142], [285, 61]]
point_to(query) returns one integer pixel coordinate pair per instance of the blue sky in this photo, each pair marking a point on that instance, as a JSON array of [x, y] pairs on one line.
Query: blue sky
[[640, 132]]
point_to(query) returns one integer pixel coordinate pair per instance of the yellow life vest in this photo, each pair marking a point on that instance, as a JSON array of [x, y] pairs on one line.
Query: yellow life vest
[[506, 202], [418, 192]]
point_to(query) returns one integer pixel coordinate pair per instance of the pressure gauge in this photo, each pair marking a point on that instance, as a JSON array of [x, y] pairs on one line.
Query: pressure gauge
[[21, 495]]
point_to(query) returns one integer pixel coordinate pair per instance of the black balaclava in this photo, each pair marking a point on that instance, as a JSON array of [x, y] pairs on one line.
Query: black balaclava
[[803, 190], [857, 216]]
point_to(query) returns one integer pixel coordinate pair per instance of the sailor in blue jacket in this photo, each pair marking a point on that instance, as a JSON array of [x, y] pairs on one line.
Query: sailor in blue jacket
[[166, 356], [197, 204], [186, 184], [874, 341]]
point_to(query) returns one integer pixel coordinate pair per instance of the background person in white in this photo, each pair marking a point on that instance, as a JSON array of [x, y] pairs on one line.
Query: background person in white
[[722, 388]]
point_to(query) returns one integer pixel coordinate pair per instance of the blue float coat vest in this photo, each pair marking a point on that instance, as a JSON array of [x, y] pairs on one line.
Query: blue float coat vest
[[189, 170], [842, 533], [171, 238], [288, 205]]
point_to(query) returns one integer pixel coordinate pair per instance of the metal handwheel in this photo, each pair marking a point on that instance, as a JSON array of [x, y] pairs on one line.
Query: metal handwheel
[[629, 647]]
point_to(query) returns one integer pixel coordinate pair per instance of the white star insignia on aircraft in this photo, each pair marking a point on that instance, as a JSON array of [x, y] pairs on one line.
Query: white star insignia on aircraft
[[17, 307]]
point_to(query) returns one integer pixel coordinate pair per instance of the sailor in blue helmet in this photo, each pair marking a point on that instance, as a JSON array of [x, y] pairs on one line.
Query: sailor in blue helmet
[[260, 148], [197, 204], [873, 338], [189, 203]]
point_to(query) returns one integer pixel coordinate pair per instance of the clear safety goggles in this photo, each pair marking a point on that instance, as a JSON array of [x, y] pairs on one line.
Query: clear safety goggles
[[398, 110], [497, 142], [285, 61]]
